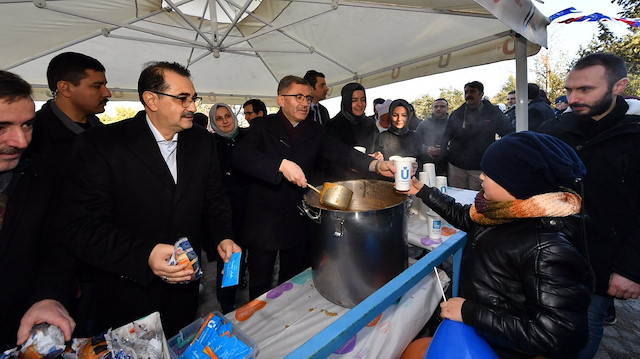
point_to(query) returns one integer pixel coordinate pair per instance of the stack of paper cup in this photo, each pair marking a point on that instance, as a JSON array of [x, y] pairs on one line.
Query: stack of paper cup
[[441, 184], [435, 225], [403, 172], [430, 169], [424, 178]]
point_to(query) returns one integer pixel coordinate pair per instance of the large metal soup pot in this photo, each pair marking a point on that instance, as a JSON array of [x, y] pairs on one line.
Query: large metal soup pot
[[356, 251]]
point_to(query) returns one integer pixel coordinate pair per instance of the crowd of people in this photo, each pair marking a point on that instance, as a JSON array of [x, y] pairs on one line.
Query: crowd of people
[[89, 213]]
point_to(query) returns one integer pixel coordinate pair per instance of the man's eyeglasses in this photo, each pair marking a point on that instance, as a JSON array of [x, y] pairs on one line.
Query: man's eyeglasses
[[248, 113], [186, 100], [300, 97]]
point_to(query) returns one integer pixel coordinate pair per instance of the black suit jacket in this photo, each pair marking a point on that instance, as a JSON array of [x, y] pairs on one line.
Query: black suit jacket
[[32, 267], [323, 112], [272, 219], [52, 139], [122, 202]]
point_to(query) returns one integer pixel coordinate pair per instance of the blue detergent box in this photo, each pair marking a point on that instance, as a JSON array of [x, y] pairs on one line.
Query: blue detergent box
[[231, 275]]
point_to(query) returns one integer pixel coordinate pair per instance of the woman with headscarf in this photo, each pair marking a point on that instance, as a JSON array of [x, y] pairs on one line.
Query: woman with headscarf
[[227, 134], [351, 126], [399, 140]]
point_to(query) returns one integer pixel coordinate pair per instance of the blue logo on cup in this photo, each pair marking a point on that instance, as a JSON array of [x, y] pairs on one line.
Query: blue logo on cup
[[437, 224], [404, 173]]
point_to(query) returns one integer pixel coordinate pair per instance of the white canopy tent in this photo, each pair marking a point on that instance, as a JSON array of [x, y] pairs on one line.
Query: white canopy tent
[[253, 44]]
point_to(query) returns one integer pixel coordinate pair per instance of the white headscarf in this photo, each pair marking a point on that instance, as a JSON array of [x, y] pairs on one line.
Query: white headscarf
[[214, 125]]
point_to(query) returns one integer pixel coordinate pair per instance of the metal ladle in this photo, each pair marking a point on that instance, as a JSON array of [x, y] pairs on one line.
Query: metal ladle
[[334, 195]]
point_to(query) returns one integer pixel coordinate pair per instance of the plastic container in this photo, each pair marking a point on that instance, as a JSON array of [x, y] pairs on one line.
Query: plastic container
[[179, 342]]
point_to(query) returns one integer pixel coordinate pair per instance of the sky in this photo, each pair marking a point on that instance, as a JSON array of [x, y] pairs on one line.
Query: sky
[[565, 38], [562, 38]]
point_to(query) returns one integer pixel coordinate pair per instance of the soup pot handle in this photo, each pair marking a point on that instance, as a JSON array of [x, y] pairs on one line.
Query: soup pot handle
[[306, 209]]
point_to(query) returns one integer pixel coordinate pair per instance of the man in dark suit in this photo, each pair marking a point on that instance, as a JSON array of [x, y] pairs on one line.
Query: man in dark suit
[[136, 187], [280, 151], [79, 87], [319, 90], [33, 272]]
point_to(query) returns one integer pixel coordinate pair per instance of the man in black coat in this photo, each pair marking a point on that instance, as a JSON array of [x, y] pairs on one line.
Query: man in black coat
[[538, 110], [470, 130], [280, 152], [319, 90], [606, 135], [430, 132], [79, 86], [34, 273], [138, 186]]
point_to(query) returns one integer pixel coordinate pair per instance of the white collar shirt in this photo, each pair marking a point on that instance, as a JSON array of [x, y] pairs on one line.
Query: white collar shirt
[[168, 149]]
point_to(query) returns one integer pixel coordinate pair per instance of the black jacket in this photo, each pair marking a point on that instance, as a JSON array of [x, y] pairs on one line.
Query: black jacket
[[273, 220], [405, 145], [464, 142], [235, 182], [526, 286], [364, 133], [539, 112], [610, 150], [323, 114], [122, 201], [53, 137], [32, 266]]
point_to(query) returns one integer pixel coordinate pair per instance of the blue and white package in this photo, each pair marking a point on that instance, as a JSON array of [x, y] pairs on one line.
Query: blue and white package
[[231, 275], [183, 253]]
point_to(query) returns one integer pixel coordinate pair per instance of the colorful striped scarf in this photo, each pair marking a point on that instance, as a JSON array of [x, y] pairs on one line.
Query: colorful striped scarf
[[554, 204]]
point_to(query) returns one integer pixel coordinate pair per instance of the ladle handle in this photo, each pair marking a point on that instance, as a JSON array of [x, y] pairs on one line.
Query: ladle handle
[[313, 188]]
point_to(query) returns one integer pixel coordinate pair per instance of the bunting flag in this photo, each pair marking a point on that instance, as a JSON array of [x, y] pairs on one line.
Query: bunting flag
[[596, 16]]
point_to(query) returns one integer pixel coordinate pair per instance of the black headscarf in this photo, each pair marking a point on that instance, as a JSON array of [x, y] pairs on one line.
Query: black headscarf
[[345, 104], [392, 128]]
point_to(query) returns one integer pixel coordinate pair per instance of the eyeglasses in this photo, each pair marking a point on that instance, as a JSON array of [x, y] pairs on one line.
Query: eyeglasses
[[300, 97], [186, 100], [248, 113]]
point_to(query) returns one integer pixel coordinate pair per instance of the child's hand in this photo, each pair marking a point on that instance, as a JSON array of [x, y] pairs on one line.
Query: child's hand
[[452, 309], [416, 186]]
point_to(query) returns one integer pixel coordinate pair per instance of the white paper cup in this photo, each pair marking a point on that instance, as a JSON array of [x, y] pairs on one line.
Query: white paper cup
[[394, 158], [441, 184], [435, 225], [430, 169], [423, 177], [427, 167], [403, 173], [360, 149]]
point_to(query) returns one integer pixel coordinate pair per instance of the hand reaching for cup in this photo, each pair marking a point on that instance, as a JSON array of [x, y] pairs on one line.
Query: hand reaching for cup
[[416, 186]]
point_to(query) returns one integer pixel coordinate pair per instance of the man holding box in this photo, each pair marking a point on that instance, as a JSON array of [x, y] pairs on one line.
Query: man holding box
[[136, 187]]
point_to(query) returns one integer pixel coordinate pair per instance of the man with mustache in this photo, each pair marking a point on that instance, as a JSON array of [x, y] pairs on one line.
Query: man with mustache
[[470, 130], [33, 271], [135, 188], [79, 87], [605, 134]]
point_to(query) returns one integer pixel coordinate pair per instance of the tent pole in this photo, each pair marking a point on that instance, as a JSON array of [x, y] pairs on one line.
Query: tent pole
[[235, 21], [184, 17], [522, 103]]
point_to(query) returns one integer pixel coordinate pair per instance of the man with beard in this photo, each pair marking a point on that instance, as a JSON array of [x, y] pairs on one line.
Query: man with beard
[[135, 188], [79, 87], [606, 136], [470, 130], [430, 132]]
